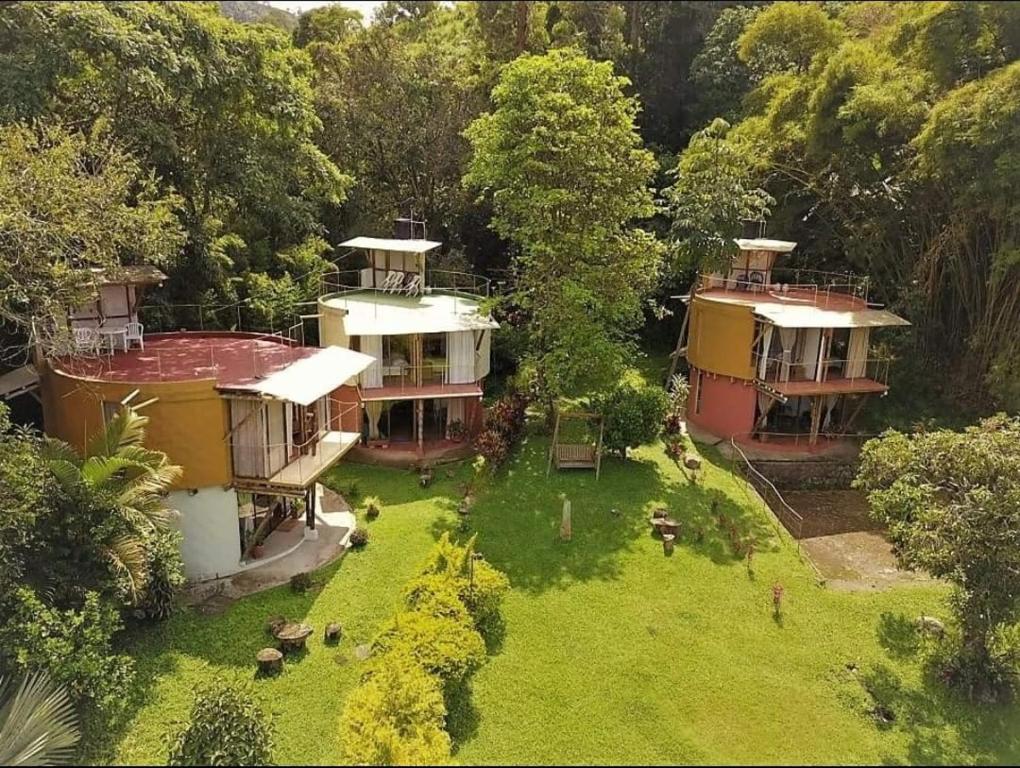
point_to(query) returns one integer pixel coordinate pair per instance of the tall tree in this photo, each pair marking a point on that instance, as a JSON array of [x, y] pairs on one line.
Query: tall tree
[[560, 158], [328, 24], [951, 501], [222, 112], [70, 204]]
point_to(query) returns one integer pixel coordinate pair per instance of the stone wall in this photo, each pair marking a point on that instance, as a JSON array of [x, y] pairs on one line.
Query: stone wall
[[813, 474]]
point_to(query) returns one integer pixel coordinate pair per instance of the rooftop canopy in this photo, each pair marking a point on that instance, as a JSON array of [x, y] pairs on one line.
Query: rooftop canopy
[[785, 316], [389, 244], [310, 378], [134, 274], [378, 314], [764, 244]]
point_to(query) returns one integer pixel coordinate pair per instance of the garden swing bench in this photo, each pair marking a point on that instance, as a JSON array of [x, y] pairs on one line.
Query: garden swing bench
[[586, 455]]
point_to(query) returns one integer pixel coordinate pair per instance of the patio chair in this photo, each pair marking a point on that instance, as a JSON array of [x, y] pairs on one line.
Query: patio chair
[[393, 282], [413, 286], [135, 332], [86, 340]]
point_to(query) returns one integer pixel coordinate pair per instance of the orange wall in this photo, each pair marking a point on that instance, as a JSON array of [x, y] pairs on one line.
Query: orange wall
[[188, 421], [720, 338], [727, 406]]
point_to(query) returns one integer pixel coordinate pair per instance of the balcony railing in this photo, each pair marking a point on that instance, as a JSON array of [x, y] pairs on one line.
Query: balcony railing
[[293, 465], [813, 285], [781, 369], [402, 282], [404, 378]]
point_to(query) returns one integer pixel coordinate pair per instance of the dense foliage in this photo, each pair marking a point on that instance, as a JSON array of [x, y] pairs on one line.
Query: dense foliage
[[632, 415], [503, 428], [951, 501], [226, 727], [422, 657]]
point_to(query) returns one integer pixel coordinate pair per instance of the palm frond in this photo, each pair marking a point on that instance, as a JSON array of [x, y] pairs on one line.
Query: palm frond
[[127, 554], [38, 725], [126, 428]]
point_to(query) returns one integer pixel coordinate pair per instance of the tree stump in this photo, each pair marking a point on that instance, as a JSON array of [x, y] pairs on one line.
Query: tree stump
[[292, 637], [332, 633], [668, 542], [660, 513], [270, 661], [274, 624], [692, 462]]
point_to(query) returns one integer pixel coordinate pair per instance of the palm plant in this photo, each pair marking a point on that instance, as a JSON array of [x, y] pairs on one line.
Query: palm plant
[[125, 476], [38, 725]]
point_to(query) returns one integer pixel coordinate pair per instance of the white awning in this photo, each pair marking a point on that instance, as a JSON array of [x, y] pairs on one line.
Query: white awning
[[310, 378], [817, 317], [388, 244], [18, 382], [764, 244]]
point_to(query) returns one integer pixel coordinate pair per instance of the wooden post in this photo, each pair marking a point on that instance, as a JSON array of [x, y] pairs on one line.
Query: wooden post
[[680, 339], [310, 507], [598, 450], [816, 418], [420, 408], [552, 446]]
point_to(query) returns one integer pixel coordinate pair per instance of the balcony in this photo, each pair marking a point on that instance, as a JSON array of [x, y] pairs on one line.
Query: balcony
[[832, 377], [402, 381], [301, 464], [400, 282]]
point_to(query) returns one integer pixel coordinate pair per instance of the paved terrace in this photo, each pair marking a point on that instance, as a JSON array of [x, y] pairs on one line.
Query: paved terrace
[[234, 360]]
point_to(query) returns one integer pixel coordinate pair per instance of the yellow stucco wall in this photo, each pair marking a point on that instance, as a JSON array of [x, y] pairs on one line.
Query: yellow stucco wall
[[720, 337], [187, 422], [331, 326]]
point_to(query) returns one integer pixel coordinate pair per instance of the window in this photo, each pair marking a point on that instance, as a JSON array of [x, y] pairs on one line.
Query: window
[[434, 345]]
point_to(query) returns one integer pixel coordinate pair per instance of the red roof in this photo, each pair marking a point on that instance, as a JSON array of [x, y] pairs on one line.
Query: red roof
[[234, 360]]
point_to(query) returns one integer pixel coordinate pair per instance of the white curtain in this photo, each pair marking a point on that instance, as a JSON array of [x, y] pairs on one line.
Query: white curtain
[[829, 404], [372, 376], [374, 409], [766, 348], [483, 358], [809, 355], [765, 404], [460, 357], [454, 411], [788, 338], [857, 353]]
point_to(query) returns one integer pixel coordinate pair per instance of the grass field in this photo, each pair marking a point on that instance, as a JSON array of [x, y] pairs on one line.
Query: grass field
[[612, 652]]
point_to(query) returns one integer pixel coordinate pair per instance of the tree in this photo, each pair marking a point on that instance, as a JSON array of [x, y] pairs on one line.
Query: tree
[[328, 24], [226, 727], [722, 80], [787, 36], [632, 415], [117, 472], [713, 196], [69, 204], [220, 112], [38, 725], [951, 502], [561, 161]]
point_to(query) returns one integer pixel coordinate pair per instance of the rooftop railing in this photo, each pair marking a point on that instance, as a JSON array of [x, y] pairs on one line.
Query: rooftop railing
[[819, 287], [403, 282]]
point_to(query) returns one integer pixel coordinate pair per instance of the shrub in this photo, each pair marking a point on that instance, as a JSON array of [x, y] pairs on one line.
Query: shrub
[[166, 574], [480, 587], [226, 728], [396, 717], [301, 582], [456, 430], [504, 426], [449, 648], [633, 415], [372, 507], [359, 538]]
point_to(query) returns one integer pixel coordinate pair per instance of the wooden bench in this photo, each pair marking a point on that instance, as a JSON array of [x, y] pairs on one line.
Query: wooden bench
[[575, 456]]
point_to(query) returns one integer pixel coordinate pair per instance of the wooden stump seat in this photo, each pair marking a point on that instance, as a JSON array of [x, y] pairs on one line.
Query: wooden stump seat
[[292, 637], [270, 661]]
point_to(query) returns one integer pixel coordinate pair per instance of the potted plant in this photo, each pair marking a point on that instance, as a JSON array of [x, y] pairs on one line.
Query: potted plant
[[456, 431]]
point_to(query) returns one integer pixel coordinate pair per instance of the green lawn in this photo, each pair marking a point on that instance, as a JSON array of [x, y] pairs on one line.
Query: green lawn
[[612, 652]]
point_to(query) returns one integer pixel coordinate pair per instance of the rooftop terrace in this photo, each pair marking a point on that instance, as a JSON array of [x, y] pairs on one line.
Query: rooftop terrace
[[374, 312], [234, 360]]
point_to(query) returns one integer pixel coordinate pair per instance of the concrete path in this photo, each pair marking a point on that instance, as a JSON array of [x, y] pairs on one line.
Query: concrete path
[[334, 523]]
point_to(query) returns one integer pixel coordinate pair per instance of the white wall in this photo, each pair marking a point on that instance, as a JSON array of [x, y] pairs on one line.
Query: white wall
[[211, 545]]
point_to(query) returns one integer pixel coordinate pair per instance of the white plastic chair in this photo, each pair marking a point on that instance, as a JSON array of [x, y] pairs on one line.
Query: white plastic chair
[[86, 340], [413, 286], [135, 332], [393, 282]]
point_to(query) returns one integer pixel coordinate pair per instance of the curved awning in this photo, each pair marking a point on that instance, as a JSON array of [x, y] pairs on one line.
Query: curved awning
[[817, 317]]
